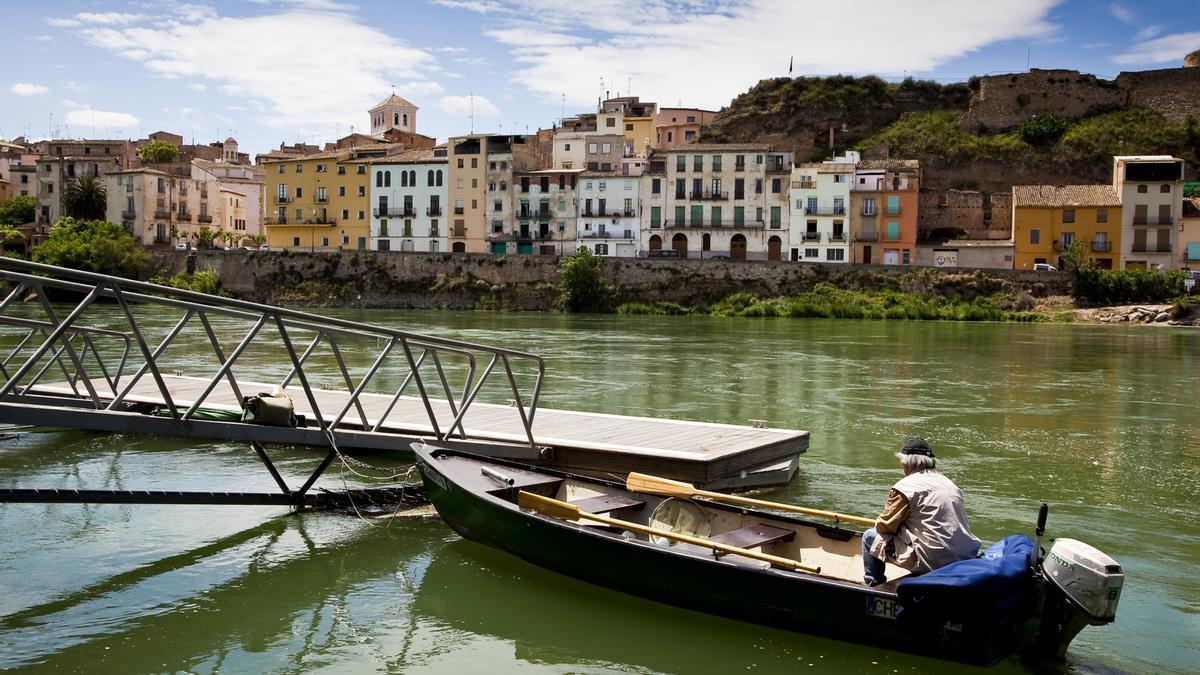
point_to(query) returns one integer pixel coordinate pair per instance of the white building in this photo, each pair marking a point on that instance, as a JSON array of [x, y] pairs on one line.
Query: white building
[[408, 197], [609, 221], [1151, 192], [820, 210], [248, 181]]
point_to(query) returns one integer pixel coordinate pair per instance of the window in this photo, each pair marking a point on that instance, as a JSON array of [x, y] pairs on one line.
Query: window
[[1165, 188], [362, 168], [438, 175], [592, 148], [341, 170], [776, 216], [1101, 215], [379, 179], [299, 168], [299, 192], [758, 186], [362, 215], [324, 241], [567, 147], [698, 163], [606, 148], [893, 205], [839, 178], [1068, 238], [697, 215], [403, 179], [1035, 235], [907, 258], [320, 168], [362, 190], [387, 179], [835, 254], [739, 216], [345, 214], [610, 122], [321, 196], [689, 135], [281, 167], [1068, 215], [679, 215], [341, 190], [691, 119], [655, 216], [680, 163], [893, 230], [868, 206], [460, 162], [628, 127], [295, 241], [1142, 189], [601, 249], [716, 162], [812, 253], [474, 162]]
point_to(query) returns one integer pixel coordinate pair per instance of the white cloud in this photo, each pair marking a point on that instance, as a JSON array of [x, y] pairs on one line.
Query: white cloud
[[481, 6], [199, 87], [466, 105], [1148, 32], [42, 38], [28, 89], [96, 18], [329, 69], [452, 50], [704, 52], [1122, 13], [1161, 50], [101, 120]]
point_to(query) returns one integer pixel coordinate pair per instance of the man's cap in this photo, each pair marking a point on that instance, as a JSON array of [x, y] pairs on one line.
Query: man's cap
[[916, 446]]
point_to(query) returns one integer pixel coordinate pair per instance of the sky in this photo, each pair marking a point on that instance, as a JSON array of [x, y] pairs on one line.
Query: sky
[[272, 71]]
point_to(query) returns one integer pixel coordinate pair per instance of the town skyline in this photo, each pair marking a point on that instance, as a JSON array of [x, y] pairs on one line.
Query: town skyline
[[216, 70]]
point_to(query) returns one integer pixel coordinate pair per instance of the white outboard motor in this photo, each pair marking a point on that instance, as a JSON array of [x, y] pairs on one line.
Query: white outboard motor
[[1088, 577], [1081, 588]]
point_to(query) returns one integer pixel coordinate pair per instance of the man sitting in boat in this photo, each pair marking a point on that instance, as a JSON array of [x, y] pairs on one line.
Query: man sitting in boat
[[923, 525]]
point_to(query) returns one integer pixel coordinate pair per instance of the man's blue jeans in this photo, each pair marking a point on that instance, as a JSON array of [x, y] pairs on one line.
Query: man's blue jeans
[[874, 569]]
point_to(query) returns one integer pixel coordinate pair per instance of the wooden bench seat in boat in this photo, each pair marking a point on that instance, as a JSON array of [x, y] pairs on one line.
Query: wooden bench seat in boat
[[753, 536], [610, 504]]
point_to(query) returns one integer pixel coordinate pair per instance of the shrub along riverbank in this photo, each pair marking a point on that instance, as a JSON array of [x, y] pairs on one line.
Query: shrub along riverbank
[[830, 302]]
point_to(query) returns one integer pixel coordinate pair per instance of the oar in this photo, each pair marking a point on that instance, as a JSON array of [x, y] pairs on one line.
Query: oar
[[640, 482], [566, 511]]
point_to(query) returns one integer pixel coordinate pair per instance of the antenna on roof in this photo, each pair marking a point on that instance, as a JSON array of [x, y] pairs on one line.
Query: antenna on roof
[[472, 112]]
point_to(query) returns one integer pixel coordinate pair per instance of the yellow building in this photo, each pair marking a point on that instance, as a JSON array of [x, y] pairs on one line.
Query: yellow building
[[320, 202], [1047, 219]]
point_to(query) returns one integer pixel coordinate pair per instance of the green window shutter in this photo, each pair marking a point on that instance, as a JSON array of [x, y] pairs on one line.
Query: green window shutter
[[697, 214], [716, 216], [500, 248], [655, 216], [776, 217], [739, 215], [680, 163], [1193, 251], [716, 162], [698, 162], [680, 211], [893, 230], [893, 204], [758, 214]]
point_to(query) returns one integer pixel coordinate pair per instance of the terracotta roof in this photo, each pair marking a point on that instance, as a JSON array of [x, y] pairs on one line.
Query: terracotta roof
[[394, 100], [1065, 195], [1191, 207]]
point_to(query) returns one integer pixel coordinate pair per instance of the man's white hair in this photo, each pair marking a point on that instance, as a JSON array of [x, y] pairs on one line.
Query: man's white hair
[[915, 463]]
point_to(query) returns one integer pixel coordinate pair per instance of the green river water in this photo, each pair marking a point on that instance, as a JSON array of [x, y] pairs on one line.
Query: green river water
[[1099, 421]]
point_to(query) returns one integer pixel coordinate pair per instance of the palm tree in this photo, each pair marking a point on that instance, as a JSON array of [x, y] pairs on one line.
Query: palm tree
[[85, 199]]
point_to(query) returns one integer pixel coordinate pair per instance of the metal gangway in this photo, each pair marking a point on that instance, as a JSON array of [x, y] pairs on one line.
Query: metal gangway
[[85, 354]]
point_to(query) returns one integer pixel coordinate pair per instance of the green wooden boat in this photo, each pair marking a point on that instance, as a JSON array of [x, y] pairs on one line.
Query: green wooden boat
[[760, 566]]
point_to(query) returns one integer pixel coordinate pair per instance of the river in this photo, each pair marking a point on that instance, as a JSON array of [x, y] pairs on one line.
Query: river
[[1099, 421]]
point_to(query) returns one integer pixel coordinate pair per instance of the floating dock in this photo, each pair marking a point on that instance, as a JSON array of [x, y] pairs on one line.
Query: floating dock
[[67, 371]]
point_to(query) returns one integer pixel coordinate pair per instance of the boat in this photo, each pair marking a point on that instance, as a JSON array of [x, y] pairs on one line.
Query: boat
[[771, 568]]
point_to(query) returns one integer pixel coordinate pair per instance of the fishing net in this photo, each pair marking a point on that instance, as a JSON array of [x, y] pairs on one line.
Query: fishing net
[[679, 515]]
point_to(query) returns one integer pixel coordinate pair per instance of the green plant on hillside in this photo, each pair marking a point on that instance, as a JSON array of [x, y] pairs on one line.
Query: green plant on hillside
[[1042, 129], [1124, 132], [85, 198], [1114, 287], [92, 246], [924, 134], [18, 210], [581, 282], [201, 281], [158, 152]]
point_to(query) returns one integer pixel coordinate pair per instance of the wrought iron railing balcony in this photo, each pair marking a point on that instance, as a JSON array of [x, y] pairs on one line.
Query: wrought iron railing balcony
[[394, 212], [710, 195], [837, 236], [204, 218], [1102, 246], [162, 214], [1152, 247], [128, 215], [812, 236], [825, 210], [183, 215], [276, 220], [433, 211], [1147, 221], [282, 199]]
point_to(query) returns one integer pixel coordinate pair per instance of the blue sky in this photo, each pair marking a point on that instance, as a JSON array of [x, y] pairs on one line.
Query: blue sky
[[269, 71]]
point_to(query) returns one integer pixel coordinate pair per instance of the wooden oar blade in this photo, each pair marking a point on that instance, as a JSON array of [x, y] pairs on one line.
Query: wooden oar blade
[[547, 506], [646, 484]]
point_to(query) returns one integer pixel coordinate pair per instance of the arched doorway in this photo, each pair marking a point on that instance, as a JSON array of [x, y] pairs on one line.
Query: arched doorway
[[679, 243], [706, 242], [737, 247], [655, 242], [458, 247], [774, 244]]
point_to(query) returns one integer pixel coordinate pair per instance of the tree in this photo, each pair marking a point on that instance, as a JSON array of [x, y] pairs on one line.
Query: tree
[[1074, 258], [159, 152], [258, 239], [85, 199], [204, 237], [92, 246], [1042, 129], [581, 281], [18, 210]]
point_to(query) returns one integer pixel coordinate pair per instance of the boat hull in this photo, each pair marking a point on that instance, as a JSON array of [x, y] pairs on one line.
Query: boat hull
[[771, 597]]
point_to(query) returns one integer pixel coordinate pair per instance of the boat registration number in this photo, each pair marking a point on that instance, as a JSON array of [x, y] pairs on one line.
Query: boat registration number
[[881, 608]]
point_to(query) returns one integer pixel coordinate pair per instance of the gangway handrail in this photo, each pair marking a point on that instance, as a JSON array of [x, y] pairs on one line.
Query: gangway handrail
[[416, 347]]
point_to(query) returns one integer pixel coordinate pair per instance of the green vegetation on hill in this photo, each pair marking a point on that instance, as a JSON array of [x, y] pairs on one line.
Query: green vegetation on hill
[[1091, 139], [92, 246]]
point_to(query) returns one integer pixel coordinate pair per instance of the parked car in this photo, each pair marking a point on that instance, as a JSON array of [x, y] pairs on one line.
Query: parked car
[[1044, 267], [180, 247], [264, 247], [663, 253], [718, 257]]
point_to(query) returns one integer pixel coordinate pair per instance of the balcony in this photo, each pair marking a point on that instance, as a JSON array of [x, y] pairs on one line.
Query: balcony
[[1102, 246], [282, 199], [710, 195], [183, 216], [1152, 222], [740, 166], [1147, 247], [162, 240], [866, 236], [778, 167], [433, 211], [204, 218], [320, 220], [394, 212], [628, 214], [812, 236], [804, 185], [277, 220], [869, 211], [608, 234], [162, 214], [837, 236], [458, 210], [322, 200], [892, 211], [825, 210], [458, 231], [128, 215], [204, 194]]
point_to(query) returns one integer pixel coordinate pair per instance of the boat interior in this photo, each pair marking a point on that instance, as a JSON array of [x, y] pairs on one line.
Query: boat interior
[[836, 551]]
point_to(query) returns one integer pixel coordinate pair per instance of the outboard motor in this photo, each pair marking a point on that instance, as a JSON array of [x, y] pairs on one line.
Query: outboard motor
[[1082, 586]]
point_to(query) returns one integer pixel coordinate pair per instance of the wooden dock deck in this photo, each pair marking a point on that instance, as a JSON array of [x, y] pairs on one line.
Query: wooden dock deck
[[708, 454]]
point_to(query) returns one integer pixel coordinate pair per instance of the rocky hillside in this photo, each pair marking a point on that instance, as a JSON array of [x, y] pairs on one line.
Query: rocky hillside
[[929, 121]]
